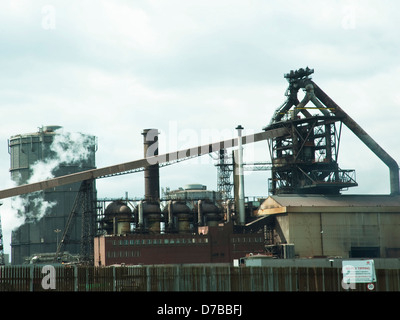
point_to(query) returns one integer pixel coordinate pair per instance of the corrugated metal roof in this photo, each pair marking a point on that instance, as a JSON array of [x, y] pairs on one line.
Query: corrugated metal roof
[[337, 200]]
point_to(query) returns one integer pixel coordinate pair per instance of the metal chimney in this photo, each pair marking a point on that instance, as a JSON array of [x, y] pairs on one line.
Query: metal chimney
[[151, 172], [242, 214]]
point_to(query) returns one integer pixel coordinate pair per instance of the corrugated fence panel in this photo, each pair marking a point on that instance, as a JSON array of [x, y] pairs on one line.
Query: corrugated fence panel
[[185, 278]]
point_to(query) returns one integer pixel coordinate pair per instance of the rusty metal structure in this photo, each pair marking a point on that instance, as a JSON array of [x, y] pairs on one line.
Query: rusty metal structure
[[305, 157], [84, 205], [224, 174]]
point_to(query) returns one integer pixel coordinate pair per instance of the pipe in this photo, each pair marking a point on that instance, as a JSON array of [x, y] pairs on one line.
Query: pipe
[[170, 217], [242, 215], [364, 137], [199, 213], [310, 92], [115, 226], [228, 210], [140, 211]]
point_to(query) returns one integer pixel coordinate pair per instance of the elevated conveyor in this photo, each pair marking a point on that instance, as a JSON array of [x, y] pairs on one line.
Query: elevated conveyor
[[139, 164]]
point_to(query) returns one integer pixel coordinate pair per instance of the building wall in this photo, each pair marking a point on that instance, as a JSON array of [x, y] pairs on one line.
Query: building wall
[[215, 245], [335, 234], [305, 234]]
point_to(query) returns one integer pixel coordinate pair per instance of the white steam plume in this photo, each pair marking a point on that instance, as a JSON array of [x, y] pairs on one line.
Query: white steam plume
[[66, 149]]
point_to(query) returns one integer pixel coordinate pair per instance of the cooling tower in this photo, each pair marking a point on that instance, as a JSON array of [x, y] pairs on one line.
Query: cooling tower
[[41, 155]]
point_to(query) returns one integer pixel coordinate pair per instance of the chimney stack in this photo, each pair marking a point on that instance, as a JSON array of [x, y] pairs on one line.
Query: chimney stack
[[151, 172]]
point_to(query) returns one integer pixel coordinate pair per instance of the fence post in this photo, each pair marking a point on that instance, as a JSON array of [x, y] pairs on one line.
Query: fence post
[[178, 277], [76, 286], [114, 279], [148, 279], [229, 280], [86, 279], [31, 275]]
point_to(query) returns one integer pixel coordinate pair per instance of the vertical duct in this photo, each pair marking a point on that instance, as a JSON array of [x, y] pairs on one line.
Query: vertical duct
[[199, 213], [364, 137], [242, 215], [151, 172], [140, 214]]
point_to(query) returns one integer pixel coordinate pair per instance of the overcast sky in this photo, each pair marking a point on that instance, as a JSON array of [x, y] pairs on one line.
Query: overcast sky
[[195, 69]]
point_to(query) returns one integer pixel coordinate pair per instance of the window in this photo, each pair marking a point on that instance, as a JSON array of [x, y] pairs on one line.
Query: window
[[364, 252]]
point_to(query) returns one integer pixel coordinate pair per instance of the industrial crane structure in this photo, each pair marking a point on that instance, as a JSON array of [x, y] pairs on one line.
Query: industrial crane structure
[[305, 157]]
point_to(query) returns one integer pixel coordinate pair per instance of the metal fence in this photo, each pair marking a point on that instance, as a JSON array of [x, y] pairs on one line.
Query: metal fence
[[184, 278]]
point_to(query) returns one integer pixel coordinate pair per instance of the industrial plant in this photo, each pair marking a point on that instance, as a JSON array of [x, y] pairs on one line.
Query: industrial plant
[[305, 215]]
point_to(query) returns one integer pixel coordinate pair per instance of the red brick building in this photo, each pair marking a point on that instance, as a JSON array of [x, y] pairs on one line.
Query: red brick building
[[211, 245]]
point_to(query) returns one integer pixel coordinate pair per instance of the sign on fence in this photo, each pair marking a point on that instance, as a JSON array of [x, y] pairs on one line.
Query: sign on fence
[[358, 271]]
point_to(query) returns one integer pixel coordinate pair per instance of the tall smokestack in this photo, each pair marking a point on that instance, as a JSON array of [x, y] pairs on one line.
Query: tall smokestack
[[242, 214], [151, 172]]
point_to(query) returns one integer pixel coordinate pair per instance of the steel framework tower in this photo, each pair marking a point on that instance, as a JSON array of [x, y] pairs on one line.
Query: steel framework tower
[[224, 173], [304, 159]]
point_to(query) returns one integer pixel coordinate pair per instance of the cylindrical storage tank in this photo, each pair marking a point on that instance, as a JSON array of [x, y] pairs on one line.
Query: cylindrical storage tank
[[181, 217], [41, 155], [195, 186], [151, 217], [118, 217], [211, 213]]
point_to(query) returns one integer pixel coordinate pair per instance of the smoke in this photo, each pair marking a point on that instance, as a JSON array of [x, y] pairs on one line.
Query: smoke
[[66, 149], [31, 208]]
